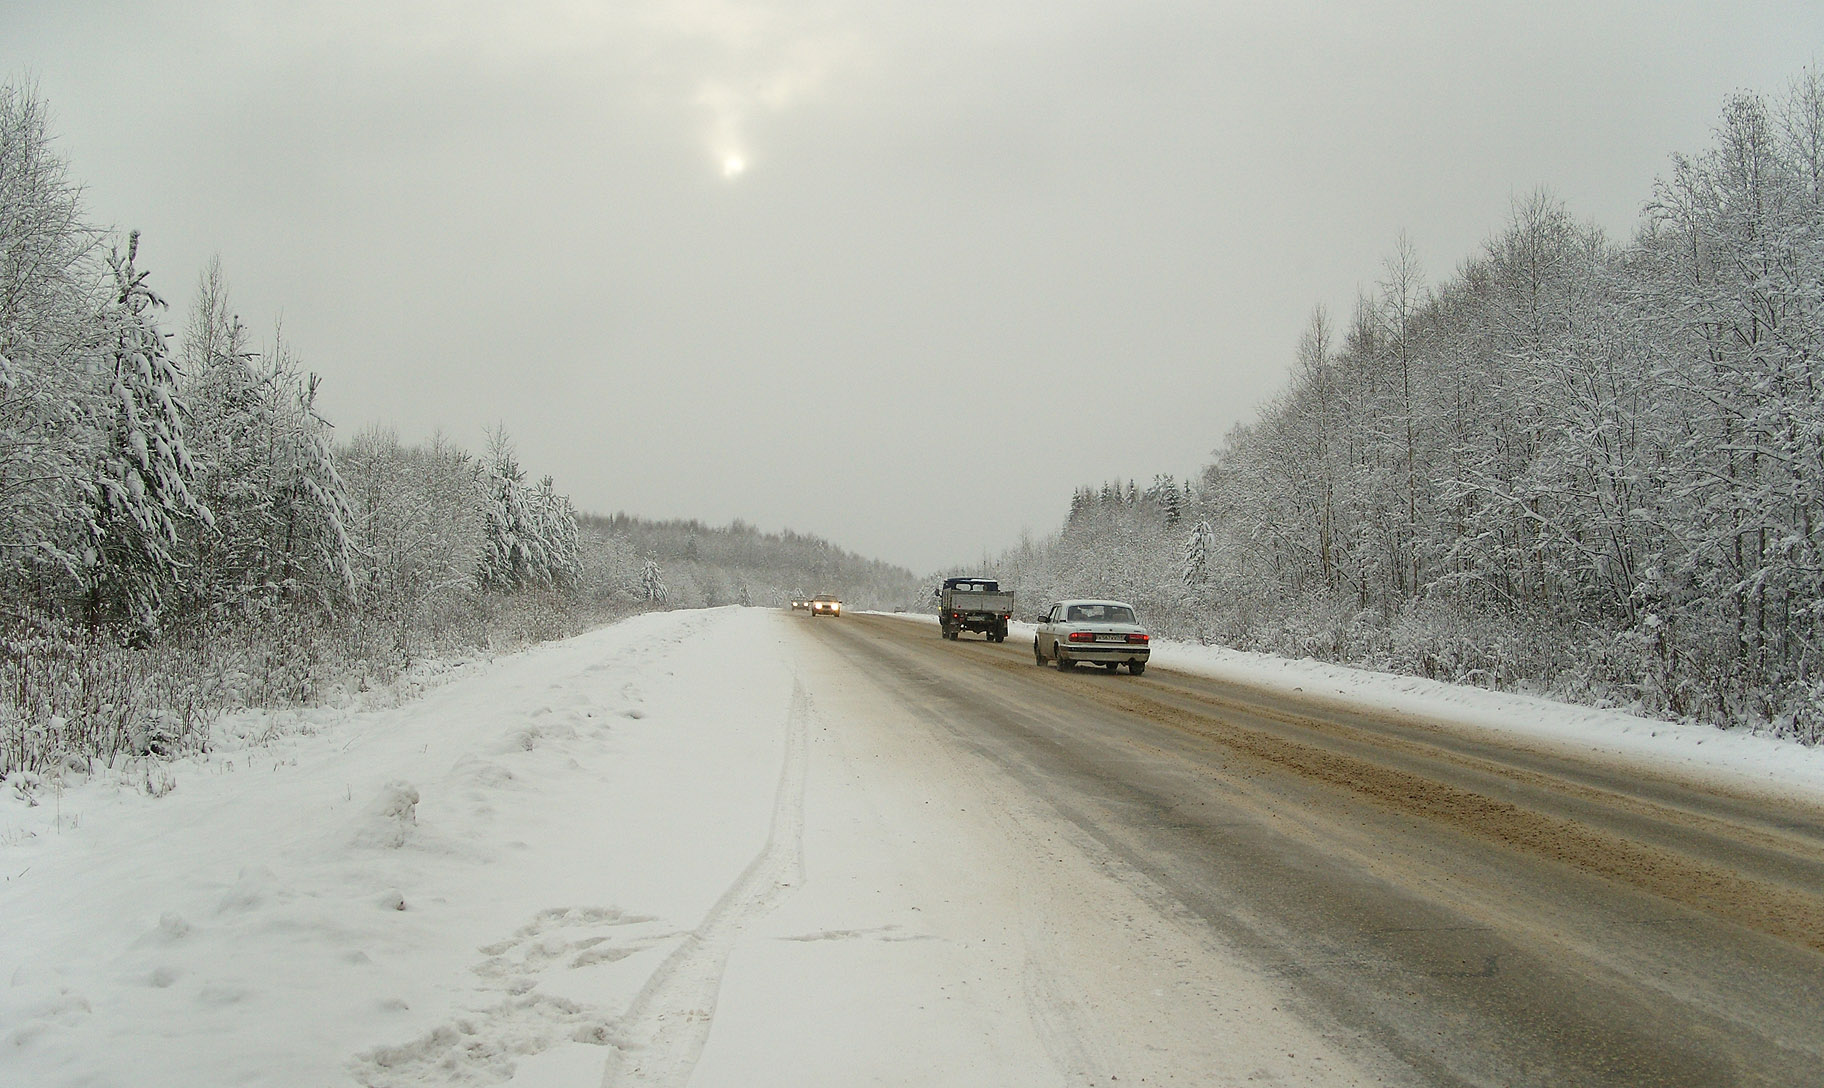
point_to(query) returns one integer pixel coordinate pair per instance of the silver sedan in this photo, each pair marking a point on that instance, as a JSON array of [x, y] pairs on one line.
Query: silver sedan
[[1092, 632]]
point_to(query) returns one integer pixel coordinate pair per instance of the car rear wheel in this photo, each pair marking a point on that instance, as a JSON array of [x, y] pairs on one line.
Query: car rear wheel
[[1037, 657], [1136, 667], [1064, 664]]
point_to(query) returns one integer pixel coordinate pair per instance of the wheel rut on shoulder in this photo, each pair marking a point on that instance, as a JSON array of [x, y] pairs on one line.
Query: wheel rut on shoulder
[[659, 1039]]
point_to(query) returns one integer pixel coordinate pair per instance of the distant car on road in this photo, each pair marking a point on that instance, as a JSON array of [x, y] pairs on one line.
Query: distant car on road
[[1105, 633], [826, 606], [800, 604]]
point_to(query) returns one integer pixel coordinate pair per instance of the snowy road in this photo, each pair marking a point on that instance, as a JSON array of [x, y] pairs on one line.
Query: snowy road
[[1448, 909], [746, 848]]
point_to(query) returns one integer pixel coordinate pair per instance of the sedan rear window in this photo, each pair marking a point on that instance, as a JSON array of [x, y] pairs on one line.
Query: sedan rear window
[[1099, 613]]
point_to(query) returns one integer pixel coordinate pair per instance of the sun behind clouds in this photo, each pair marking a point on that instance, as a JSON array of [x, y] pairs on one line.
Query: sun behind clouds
[[734, 164]]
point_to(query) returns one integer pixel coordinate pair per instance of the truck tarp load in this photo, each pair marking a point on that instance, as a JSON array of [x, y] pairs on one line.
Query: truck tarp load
[[973, 604]]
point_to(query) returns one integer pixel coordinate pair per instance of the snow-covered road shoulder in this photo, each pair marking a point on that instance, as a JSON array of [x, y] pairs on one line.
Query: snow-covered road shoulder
[[1741, 760], [430, 894]]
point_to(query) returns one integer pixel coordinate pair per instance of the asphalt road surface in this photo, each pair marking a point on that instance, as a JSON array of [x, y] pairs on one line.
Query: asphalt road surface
[[1459, 911]]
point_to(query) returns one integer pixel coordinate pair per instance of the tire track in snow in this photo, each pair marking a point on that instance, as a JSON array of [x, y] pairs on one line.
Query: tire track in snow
[[659, 1038], [1060, 1022]]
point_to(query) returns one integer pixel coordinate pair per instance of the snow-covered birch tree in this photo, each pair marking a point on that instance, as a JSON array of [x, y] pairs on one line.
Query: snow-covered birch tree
[[48, 293]]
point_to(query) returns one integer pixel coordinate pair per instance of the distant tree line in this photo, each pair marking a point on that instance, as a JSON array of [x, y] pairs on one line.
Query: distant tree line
[[1590, 467], [706, 567]]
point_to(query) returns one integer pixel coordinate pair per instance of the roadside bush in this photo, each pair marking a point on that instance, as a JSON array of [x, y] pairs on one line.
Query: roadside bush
[[73, 691], [68, 691]]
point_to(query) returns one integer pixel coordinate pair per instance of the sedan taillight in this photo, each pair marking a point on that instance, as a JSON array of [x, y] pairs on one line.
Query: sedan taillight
[[1138, 638], [1082, 636]]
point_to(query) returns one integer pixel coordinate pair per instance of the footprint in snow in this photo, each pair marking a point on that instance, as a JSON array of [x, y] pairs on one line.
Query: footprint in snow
[[483, 1046], [575, 936]]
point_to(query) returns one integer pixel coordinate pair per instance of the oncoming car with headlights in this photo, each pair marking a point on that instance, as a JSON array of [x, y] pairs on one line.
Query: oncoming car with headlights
[[826, 606], [1091, 632]]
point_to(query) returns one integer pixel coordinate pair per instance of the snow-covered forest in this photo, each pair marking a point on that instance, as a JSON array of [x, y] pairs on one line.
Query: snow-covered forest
[[182, 532], [705, 567], [1589, 467]]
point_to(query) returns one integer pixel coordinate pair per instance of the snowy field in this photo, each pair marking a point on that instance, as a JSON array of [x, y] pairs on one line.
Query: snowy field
[[562, 867]]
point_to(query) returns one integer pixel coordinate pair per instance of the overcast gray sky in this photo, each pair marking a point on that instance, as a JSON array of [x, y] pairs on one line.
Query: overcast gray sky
[[901, 274]]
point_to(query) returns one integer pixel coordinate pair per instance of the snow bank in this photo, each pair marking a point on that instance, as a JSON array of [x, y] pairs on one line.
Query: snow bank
[[1740, 760]]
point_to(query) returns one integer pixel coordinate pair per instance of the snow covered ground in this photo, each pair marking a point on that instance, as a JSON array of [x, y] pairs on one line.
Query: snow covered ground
[[684, 847], [378, 898]]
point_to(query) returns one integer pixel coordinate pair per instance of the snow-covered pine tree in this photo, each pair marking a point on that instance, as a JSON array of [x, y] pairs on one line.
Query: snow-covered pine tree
[[652, 584], [555, 521], [512, 551], [1171, 500], [1197, 553], [142, 469]]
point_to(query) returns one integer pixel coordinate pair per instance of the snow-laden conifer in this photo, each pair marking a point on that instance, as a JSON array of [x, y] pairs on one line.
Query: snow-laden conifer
[[554, 520], [1197, 549], [142, 469], [652, 583], [509, 544]]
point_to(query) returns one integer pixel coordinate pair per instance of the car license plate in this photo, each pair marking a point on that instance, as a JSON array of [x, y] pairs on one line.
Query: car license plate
[[1111, 638]]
